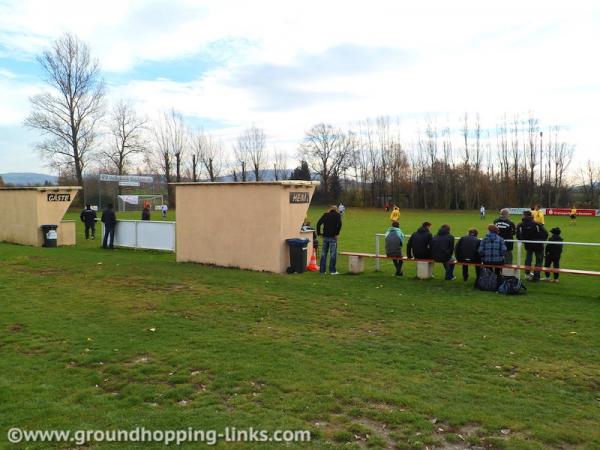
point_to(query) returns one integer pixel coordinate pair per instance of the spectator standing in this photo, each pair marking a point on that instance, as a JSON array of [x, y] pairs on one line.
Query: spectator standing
[[553, 253], [529, 230], [109, 219], [442, 248], [506, 230], [146, 213], [88, 217], [329, 226], [466, 250]]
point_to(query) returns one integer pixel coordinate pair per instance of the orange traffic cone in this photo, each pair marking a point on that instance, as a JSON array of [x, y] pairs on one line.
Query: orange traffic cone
[[312, 266]]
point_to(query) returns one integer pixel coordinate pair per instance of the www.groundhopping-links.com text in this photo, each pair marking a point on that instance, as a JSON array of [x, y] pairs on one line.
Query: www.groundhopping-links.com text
[[167, 437]]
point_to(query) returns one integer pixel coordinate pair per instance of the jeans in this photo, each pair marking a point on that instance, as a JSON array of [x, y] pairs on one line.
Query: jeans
[[552, 261], [539, 258], [329, 246], [109, 232], [449, 270], [88, 227]]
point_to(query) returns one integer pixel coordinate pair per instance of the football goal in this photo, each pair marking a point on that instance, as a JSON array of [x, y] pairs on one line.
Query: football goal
[[138, 202]]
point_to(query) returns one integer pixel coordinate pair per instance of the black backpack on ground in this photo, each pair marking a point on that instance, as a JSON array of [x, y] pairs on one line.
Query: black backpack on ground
[[487, 281], [512, 286]]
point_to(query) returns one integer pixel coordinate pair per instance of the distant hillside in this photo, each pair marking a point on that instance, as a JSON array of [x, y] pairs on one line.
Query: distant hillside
[[27, 178]]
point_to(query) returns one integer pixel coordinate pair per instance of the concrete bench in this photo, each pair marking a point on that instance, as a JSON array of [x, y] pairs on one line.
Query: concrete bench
[[356, 264]]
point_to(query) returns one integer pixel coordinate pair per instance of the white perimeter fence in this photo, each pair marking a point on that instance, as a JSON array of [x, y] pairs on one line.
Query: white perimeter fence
[[145, 234], [517, 251]]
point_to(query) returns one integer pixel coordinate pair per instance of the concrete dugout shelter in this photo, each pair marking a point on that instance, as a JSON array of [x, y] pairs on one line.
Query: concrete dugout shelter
[[241, 225], [26, 209]]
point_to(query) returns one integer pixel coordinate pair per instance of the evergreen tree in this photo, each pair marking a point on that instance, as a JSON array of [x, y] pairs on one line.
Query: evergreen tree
[[302, 172]]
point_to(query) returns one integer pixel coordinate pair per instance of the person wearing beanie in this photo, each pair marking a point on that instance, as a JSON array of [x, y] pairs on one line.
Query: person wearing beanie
[[553, 254], [492, 249]]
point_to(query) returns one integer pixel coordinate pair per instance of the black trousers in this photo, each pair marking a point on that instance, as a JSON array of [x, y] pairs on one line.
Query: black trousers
[[465, 272], [109, 237], [90, 227], [554, 262], [398, 265]]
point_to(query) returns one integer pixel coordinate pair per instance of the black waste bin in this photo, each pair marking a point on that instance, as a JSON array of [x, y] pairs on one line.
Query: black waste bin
[[298, 255], [50, 235]]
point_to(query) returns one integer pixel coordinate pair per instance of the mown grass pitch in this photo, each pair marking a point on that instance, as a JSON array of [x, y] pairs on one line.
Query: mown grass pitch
[[92, 339]]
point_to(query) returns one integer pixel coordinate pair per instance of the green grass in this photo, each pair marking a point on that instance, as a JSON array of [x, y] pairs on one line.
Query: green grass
[[366, 361]]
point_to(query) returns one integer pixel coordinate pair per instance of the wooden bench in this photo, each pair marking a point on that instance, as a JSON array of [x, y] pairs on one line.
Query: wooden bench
[[356, 264]]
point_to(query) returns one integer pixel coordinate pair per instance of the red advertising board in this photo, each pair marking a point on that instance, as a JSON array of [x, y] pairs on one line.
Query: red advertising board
[[567, 212]]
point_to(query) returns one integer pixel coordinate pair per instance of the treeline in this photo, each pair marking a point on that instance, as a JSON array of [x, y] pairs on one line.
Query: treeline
[[459, 165]]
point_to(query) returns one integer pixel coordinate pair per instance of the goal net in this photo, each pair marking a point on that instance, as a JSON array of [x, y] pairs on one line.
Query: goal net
[[138, 202]]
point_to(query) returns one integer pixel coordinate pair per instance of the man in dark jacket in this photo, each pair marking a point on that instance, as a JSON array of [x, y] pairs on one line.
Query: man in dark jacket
[[109, 219], [331, 224], [442, 247], [88, 217], [506, 230], [419, 243], [528, 230], [466, 250], [146, 213], [553, 253]]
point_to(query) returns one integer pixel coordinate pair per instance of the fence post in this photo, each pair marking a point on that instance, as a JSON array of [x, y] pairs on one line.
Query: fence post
[[377, 261], [519, 244]]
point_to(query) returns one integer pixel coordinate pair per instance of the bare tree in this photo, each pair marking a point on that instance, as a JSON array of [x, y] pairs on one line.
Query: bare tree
[[208, 153], [250, 148], [127, 136], [279, 165], [67, 114], [327, 150]]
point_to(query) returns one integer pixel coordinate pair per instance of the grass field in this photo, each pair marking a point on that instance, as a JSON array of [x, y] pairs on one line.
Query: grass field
[[92, 339]]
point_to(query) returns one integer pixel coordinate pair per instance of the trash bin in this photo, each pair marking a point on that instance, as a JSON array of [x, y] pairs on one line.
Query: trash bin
[[298, 255], [50, 235]]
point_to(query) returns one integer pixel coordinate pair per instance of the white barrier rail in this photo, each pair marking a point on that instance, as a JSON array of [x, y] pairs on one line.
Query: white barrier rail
[[516, 241], [145, 234]]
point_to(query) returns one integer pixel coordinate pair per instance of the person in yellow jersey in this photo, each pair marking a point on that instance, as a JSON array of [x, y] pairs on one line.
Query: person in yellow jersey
[[395, 215], [538, 215], [573, 215]]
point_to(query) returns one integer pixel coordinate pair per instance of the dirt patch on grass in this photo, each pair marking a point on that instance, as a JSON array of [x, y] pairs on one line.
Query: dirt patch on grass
[[15, 328]]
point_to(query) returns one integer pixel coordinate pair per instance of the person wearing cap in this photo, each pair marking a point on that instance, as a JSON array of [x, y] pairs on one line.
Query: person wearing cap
[[492, 249], [506, 230], [419, 243], [553, 253]]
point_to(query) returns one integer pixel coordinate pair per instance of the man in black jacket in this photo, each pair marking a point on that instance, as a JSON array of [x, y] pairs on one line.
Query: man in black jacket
[[419, 243], [442, 247], [331, 222], [466, 250], [109, 219], [506, 230], [528, 230], [88, 217]]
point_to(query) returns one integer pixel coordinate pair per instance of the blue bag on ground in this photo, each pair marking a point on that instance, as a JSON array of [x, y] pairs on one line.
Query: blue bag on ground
[[512, 286]]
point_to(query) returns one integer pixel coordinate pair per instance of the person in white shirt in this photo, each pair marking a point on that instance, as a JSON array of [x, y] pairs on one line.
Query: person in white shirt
[[164, 209], [341, 209], [482, 212]]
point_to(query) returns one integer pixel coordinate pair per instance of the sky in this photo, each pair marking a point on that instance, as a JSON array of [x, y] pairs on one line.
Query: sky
[[286, 65]]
